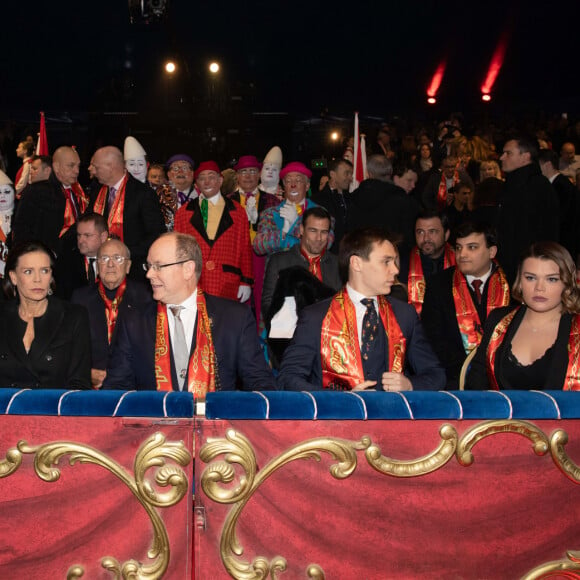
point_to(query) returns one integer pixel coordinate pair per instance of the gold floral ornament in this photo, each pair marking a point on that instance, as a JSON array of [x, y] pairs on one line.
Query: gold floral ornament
[[151, 455], [237, 450]]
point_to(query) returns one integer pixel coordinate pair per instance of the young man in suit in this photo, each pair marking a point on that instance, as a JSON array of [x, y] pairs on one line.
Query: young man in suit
[[361, 339]]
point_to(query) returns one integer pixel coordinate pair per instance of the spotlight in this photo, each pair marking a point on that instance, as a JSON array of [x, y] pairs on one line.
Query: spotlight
[[170, 67], [214, 68], [431, 100], [334, 136], [485, 97]]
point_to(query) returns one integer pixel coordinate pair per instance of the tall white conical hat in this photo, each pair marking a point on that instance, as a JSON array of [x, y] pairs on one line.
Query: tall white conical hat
[[133, 149], [274, 156], [4, 179]]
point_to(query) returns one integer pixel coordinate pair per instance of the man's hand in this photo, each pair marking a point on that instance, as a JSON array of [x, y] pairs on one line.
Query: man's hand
[[244, 293], [97, 378], [365, 386], [396, 382]]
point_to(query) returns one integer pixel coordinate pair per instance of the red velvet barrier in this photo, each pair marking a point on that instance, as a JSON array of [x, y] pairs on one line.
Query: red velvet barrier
[[507, 513], [90, 512]]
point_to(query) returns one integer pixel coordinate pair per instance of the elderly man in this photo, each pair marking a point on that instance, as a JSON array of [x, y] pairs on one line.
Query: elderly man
[[189, 340], [50, 208], [130, 207], [108, 301], [570, 163], [220, 226], [279, 227], [360, 339], [529, 208], [437, 193]]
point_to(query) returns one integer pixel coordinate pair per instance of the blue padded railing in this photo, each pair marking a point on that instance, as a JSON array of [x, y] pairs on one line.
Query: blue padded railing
[[380, 405], [297, 406], [96, 403]]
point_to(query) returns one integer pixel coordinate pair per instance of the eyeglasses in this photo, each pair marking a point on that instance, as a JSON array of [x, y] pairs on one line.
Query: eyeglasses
[[158, 267], [252, 171], [116, 258]]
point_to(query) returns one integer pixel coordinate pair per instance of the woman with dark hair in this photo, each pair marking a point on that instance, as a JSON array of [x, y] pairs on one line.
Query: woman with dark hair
[[536, 345], [44, 341]]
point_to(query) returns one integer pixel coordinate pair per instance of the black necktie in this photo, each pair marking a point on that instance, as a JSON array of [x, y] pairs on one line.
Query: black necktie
[[91, 271], [369, 327]]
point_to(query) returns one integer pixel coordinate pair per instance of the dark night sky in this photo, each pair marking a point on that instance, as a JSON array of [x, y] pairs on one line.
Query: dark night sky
[[300, 56]]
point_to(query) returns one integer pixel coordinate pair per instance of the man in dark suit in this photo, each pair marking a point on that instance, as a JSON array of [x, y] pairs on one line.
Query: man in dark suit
[[50, 208], [335, 197], [78, 267], [108, 300], [459, 299], [131, 208], [569, 199], [360, 339], [188, 340]]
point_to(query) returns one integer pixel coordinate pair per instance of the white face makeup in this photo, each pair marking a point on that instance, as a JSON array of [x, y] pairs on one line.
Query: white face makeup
[[137, 167], [6, 198], [270, 176]]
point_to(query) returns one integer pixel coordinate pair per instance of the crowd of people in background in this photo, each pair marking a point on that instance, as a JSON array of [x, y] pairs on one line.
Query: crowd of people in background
[[452, 264]]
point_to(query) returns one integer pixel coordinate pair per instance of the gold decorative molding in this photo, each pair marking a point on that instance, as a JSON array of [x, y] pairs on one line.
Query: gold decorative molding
[[236, 450], [551, 569], [152, 454]]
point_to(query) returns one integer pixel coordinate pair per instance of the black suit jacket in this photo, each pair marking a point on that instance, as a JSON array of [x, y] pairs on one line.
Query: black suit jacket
[[60, 354], [70, 272], [338, 206], [440, 321], [40, 216], [302, 368], [137, 297], [477, 378], [239, 357], [142, 222], [292, 257]]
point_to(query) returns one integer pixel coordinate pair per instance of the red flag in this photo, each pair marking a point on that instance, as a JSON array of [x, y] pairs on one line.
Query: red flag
[[42, 144], [360, 156]]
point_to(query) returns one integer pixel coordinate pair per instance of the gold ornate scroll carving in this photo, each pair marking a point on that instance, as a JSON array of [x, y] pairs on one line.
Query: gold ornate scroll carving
[[223, 483], [152, 454]]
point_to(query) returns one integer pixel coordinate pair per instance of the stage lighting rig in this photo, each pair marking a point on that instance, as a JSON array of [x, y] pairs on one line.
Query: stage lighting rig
[[147, 10]]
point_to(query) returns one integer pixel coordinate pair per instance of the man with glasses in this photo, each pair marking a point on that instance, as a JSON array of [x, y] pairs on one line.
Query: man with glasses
[[220, 226], [189, 340], [279, 227], [108, 300]]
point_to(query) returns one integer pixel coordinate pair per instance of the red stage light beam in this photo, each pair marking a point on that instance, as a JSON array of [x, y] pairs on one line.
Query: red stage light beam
[[494, 66], [436, 81]]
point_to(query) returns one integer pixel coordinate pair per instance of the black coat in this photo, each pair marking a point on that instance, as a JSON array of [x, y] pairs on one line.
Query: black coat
[[60, 354], [529, 213], [137, 296], [338, 206]]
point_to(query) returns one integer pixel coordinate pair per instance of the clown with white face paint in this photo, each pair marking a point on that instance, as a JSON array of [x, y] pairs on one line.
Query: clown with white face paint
[[270, 176], [135, 161], [6, 211]]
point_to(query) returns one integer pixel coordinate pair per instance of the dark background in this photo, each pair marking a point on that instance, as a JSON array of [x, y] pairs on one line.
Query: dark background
[[290, 72]]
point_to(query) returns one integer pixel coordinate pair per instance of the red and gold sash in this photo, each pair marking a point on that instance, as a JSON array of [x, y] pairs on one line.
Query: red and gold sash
[[470, 328], [572, 380], [201, 375], [115, 220], [112, 306], [442, 191], [416, 280], [339, 347], [69, 211]]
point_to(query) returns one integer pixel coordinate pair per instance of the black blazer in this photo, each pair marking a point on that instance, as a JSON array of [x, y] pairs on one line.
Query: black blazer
[[477, 378], [137, 296], [60, 354], [440, 321], [239, 356], [302, 368]]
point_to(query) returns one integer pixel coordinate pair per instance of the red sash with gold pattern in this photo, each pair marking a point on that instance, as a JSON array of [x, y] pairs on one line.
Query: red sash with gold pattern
[[442, 191], [69, 211], [470, 328], [201, 376], [572, 380], [313, 264], [416, 280], [112, 306], [115, 220], [339, 346]]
